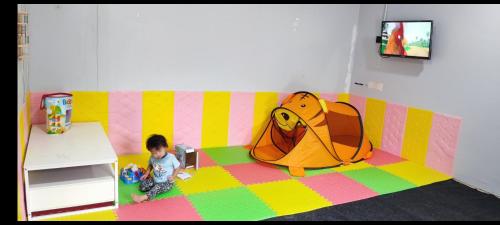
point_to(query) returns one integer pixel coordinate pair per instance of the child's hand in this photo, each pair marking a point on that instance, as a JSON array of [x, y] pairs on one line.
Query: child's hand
[[144, 177], [171, 179]]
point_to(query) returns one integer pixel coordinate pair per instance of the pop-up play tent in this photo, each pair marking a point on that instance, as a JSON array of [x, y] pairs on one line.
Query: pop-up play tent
[[308, 132]]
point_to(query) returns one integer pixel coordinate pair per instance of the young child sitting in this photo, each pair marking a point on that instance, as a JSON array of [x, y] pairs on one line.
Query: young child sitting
[[165, 168]]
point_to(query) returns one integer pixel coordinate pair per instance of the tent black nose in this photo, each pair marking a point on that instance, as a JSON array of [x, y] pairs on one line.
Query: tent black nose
[[285, 116]]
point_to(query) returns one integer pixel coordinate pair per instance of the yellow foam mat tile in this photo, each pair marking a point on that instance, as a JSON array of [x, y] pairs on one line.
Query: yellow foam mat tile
[[90, 106], [417, 133], [343, 97], [374, 120], [265, 102], [19, 209], [215, 120], [352, 166], [106, 215], [415, 173], [157, 115], [289, 196], [207, 179]]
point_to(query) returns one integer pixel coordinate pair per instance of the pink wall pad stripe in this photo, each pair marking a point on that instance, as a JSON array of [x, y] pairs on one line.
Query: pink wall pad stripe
[[360, 103], [338, 188], [204, 159], [328, 96], [188, 110], [380, 158], [443, 142], [170, 209], [125, 122], [394, 128], [241, 118], [37, 115], [282, 96]]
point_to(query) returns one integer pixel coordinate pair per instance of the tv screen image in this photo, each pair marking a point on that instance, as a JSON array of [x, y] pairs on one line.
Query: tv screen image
[[406, 39]]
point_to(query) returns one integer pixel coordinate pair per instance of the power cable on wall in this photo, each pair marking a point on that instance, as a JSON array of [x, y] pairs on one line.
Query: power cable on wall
[[383, 19], [385, 11]]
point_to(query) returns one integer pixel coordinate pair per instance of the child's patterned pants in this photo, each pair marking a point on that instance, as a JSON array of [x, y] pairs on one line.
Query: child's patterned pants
[[153, 188]]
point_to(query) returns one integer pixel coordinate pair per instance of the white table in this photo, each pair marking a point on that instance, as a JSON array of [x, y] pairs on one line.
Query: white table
[[70, 173]]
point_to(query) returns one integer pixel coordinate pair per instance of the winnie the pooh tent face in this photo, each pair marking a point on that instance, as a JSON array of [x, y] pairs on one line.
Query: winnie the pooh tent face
[[308, 132]]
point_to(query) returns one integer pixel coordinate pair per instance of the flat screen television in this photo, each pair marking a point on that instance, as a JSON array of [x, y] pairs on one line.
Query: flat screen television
[[409, 39]]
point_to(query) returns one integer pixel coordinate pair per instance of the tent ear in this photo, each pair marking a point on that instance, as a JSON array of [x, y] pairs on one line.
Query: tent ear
[[323, 105]]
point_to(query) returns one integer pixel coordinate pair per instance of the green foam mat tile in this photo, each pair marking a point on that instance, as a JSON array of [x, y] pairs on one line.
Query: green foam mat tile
[[229, 155], [378, 180], [125, 191], [230, 204]]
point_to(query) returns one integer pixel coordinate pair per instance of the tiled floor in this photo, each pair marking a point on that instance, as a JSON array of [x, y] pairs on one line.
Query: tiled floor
[[231, 185]]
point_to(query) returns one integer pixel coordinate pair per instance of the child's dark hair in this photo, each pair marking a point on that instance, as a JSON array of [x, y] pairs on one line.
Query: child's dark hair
[[156, 141]]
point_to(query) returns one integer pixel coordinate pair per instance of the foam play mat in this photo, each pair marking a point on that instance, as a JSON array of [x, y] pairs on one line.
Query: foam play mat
[[231, 185]]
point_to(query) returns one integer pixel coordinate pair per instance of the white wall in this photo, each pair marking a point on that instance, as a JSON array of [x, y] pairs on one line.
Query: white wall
[[264, 48], [191, 47], [462, 78], [63, 45]]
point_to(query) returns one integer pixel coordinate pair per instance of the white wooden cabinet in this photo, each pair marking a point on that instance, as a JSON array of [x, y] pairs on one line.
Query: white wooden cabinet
[[70, 173]]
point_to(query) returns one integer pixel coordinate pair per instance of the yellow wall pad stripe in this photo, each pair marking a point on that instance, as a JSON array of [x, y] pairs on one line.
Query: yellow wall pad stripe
[[343, 97], [374, 121], [265, 102], [141, 160], [89, 106], [215, 122], [157, 116], [416, 137]]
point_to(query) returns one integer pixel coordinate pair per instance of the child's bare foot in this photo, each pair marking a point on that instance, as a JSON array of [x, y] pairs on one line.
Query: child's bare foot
[[139, 198]]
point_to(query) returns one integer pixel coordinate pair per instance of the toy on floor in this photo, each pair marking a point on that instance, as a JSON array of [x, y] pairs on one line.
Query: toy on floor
[[184, 175], [308, 132], [131, 174], [187, 156]]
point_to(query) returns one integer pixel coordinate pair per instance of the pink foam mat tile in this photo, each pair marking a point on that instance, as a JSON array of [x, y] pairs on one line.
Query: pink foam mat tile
[[169, 209], [241, 118], [338, 188], [125, 122], [257, 172], [204, 159], [394, 128], [381, 157], [443, 142], [188, 112]]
